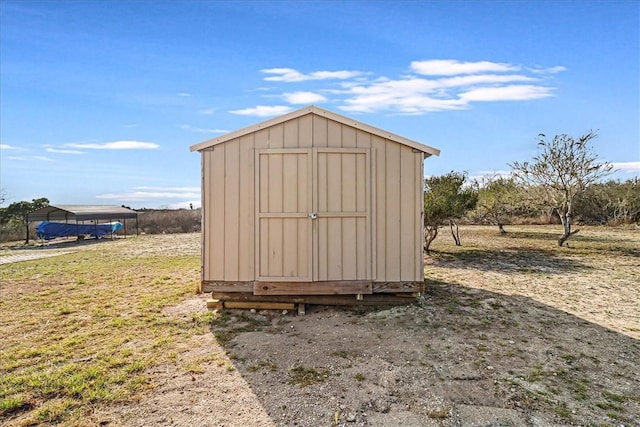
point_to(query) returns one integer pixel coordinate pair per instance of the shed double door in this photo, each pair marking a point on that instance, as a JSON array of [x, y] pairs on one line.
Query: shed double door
[[313, 214]]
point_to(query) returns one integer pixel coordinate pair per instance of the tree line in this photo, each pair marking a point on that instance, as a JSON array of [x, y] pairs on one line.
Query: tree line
[[563, 181]]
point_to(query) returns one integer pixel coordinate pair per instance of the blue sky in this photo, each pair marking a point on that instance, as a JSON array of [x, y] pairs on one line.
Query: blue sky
[[100, 101]]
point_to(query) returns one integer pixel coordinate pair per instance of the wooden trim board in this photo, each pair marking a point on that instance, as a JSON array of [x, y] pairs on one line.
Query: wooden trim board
[[346, 287]]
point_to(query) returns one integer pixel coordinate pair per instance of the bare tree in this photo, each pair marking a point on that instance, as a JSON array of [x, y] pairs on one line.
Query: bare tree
[[566, 167]]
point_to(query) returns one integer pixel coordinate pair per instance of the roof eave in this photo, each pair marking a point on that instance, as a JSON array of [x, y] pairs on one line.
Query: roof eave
[[428, 151]]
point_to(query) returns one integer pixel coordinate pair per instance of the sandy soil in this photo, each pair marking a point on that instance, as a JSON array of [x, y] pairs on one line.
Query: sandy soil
[[510, 332], [504, 336]]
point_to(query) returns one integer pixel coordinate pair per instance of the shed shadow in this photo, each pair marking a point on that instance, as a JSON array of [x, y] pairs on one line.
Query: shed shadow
[[462, 347], [508, 259]]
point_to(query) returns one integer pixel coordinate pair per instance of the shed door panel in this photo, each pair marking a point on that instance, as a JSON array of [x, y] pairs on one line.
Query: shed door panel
[[333, 183], [283, 201], [342, 200]]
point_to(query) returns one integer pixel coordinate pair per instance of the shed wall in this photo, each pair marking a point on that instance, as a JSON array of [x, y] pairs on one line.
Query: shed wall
[[395, 211]]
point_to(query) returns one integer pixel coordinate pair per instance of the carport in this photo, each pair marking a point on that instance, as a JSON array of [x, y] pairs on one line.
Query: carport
[[80, 213]]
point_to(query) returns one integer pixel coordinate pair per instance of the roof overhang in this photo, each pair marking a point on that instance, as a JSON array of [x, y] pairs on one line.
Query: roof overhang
[[427, 150], [80, 213]]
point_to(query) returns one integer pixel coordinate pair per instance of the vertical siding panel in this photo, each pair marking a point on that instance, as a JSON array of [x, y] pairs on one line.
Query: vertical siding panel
[[319, 131], [275, 183], [290, 205], [334, 134], [363, 139], [290, 182], [276, 136], [305, 131], [304, 246], [419, 217], [393, 208], [334, 248], [348, 137], [290, 134], [231, 209], [290, 248], [206, 214], [407, 213], [368, 226], [322, 263], [334, 182], [334, 204], [322, 182], [304, 206], [275, 196], [263, 250], [261, 139], [217, 236], [246, 214], [276, 235], [349, 248], [349, 237], [380, 261], [261, 258], [263, 192], [321, 174], [361, 223]]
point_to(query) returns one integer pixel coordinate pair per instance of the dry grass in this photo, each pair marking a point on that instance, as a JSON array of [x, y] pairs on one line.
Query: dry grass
[[596, 278], [82, 329]]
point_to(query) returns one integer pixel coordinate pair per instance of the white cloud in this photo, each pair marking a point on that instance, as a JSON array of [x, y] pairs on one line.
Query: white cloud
[[507, 93], [478, 79], [115, 145], [452, 67], [8, 147], [179, 189], [550, 70], [431, 85], [303, 97], [293, 75], [629, 167], [202, 130], [136, 196], [31, 158], [207, 111], [145, 193], [183, 94], [56, 150], [263, 111]]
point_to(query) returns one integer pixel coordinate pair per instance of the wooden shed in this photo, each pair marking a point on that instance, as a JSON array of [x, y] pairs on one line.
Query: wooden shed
[[312, 207]]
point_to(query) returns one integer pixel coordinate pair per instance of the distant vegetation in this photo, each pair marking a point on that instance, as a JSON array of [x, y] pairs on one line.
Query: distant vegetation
[[563, 184], [150, 221]]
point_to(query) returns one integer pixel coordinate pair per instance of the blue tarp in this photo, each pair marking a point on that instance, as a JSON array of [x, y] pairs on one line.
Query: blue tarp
[[50, 230]]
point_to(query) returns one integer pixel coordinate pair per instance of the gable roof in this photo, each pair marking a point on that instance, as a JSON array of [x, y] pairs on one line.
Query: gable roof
[[80, 213], [428, 151]]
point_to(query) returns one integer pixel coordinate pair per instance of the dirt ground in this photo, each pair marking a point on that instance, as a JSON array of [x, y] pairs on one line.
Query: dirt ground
[[510, 332]]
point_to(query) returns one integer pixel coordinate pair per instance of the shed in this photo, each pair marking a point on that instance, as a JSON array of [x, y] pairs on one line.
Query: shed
[[80, 214], [312, 207]]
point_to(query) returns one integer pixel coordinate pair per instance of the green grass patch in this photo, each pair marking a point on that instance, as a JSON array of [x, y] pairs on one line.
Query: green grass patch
[[305, 376], [82, 329]]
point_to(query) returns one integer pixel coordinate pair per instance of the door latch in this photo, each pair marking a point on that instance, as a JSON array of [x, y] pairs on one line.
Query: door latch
[[313, 215]]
